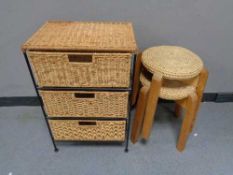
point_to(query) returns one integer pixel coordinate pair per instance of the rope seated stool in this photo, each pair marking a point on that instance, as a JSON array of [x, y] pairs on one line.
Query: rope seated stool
[[171, 73]]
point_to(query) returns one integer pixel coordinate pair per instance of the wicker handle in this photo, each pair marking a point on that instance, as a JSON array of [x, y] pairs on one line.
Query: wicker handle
[[84, 95], [80, 58], [87, 123]]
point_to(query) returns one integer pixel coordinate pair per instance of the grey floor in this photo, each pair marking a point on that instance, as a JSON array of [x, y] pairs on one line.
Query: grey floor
[[26, 149]]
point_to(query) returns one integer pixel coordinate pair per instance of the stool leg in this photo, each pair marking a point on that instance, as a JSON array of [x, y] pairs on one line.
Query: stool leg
[[203, 76], [139, 114], [136, 78], [187, 121], [178, 110], [151, 105]]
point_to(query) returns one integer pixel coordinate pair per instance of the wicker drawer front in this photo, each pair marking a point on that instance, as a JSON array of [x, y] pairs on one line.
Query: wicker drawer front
[[59, 69], [85, 104], [88, 130]]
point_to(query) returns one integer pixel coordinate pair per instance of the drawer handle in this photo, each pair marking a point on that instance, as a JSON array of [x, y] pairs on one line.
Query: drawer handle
[[80, 58], [84, 95], [87, 123]]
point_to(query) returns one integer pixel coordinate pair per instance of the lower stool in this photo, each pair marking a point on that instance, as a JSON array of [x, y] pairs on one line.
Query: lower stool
[[186, 92]]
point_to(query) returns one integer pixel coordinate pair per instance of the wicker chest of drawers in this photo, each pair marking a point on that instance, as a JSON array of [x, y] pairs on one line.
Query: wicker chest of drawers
[[82, 73]]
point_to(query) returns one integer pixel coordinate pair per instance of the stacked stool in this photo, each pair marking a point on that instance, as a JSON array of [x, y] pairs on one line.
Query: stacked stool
[[170, 73]]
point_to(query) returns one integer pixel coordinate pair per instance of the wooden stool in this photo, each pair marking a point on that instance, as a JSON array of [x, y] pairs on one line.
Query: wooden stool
[[171, 73]]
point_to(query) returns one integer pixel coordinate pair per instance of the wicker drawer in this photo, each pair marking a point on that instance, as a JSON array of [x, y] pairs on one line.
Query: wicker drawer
[[62, 69], [88, 130], [85, 104]]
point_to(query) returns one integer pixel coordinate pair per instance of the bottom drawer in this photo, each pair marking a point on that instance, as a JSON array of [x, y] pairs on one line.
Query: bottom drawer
[[88, 130]]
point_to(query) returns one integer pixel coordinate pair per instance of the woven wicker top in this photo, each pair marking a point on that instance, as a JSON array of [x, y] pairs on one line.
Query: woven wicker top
[[173, 62], [83, 36], [171, 89]]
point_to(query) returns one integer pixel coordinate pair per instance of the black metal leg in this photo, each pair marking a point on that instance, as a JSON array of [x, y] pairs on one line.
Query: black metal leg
[[41, 102], [129, 107], [127, 136], [128, 124]]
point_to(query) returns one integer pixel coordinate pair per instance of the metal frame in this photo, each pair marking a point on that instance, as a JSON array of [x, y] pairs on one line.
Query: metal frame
[[129, 103], [87, 118], [84, 89], [41, 102], [46, 117]]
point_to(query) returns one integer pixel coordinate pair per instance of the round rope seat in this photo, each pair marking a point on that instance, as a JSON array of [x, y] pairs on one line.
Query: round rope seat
[[173, 62]]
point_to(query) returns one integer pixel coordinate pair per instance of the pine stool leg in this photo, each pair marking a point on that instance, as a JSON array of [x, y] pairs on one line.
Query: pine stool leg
[[151, 105], [136, 78], [191, 103], [203, 76], [139, 114]]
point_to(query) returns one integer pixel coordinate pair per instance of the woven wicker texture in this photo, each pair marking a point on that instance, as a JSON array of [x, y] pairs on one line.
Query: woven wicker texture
[[175, 63], [94, 36], [102, 131], [78, 104], [171, 89], [104, 70]]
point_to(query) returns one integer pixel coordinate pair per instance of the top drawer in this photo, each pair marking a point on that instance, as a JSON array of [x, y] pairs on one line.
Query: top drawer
[[62, 69]]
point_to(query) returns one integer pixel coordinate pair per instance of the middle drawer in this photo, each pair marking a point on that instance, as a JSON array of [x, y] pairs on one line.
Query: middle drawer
[[85, 103]]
